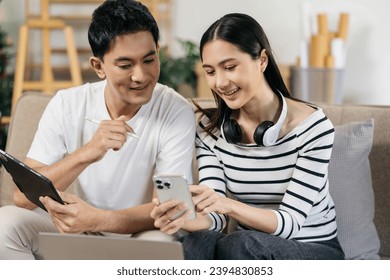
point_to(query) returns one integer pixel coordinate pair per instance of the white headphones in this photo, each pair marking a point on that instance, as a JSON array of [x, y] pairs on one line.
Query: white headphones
[[266, 134]]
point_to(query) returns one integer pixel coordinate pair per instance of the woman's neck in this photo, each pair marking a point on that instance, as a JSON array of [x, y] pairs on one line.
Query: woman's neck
[[264, 107]]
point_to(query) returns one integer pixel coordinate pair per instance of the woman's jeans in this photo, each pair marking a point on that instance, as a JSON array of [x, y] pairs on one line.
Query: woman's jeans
[[255, 245]]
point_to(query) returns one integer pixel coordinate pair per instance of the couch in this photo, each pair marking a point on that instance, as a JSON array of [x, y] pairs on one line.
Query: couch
[[358, 173]]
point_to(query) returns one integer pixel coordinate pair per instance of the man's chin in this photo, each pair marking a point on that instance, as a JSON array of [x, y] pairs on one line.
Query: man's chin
[[140, 100]]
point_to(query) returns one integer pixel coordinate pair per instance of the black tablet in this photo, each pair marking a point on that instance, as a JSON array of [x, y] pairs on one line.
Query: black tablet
[[31, 183]]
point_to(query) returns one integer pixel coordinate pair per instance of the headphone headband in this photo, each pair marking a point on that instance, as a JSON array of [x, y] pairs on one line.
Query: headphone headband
[[271, 135]]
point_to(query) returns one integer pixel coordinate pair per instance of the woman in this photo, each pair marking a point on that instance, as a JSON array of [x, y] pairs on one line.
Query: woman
[[269, 151]]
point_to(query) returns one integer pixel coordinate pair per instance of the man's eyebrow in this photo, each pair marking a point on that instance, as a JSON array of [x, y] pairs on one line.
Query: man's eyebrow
[[152, 52], [125, 58], [220, 63]]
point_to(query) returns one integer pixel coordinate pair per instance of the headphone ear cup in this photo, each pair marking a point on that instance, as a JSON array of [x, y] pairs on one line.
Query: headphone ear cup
[[232, 131], [260, 131]]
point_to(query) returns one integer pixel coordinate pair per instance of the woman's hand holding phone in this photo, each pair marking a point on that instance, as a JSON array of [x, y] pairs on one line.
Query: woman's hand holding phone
[[173, 203], [163, 214]]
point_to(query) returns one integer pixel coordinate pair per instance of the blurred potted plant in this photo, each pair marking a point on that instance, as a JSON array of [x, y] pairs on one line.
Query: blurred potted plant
[[6, 78], [6, 81], [179, 73]]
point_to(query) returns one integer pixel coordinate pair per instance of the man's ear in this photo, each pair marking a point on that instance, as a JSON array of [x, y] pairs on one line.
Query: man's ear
[[96, 65], [263, 60]]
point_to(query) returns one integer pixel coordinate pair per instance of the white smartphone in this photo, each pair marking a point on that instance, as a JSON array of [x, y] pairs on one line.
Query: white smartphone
[[170, 187]]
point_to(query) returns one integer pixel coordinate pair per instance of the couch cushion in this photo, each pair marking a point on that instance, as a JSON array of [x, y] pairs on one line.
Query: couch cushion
[[379, 160], [351, 189], [24, 123]]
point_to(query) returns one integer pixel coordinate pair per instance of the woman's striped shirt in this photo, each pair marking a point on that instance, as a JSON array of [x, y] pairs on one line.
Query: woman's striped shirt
[[290, 178]]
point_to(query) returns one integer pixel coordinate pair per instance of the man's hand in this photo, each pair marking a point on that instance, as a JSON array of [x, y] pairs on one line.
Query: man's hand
[[76, 216], [111, 134]]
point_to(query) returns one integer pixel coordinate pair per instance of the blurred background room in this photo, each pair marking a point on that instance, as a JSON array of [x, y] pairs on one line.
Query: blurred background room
[[44, 46]]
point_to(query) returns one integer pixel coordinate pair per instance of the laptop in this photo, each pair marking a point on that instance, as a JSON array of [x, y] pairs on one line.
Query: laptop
[[58, 246]]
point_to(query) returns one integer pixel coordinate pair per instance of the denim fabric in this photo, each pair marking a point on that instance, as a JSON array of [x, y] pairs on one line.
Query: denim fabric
[[255, 245]]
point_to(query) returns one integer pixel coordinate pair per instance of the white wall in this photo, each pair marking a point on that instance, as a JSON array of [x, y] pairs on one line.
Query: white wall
[[367, 74], [368, 62]]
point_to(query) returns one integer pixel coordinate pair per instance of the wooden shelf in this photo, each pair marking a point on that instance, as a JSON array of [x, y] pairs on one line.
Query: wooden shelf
[[5, 120]]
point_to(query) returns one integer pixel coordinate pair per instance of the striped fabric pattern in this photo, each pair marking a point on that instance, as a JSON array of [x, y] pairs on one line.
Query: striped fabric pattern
[[290, 178]]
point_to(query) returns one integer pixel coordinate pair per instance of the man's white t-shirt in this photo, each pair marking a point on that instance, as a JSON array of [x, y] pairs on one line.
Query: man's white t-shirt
[[121, 179]]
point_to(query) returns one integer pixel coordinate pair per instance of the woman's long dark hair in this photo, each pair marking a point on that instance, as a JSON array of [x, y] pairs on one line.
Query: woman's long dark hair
[[245, 33]]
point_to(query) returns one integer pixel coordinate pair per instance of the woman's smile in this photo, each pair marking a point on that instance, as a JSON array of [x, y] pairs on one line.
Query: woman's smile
[[230, 92]]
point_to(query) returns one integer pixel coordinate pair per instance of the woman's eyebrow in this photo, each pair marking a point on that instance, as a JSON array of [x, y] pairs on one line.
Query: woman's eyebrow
[[220, 63]]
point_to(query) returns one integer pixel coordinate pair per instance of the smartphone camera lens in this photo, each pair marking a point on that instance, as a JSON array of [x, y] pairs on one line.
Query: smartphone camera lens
[[158, 181], [167, 184], [160, 187]]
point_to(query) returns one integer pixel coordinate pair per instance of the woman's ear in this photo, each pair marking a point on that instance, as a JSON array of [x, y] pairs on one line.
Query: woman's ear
[[263, 60], [96, 65]]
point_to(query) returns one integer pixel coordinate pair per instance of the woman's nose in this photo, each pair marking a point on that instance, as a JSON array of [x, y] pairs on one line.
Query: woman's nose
[[221, 81]]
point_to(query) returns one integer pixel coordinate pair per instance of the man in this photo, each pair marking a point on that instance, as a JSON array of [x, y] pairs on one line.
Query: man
[[87, 134]]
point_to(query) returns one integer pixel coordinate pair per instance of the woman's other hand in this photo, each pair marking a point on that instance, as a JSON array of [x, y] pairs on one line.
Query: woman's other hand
[[165, 215]]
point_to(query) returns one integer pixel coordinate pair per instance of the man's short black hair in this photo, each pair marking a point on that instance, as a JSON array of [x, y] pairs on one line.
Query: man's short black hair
[[114, 18]]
